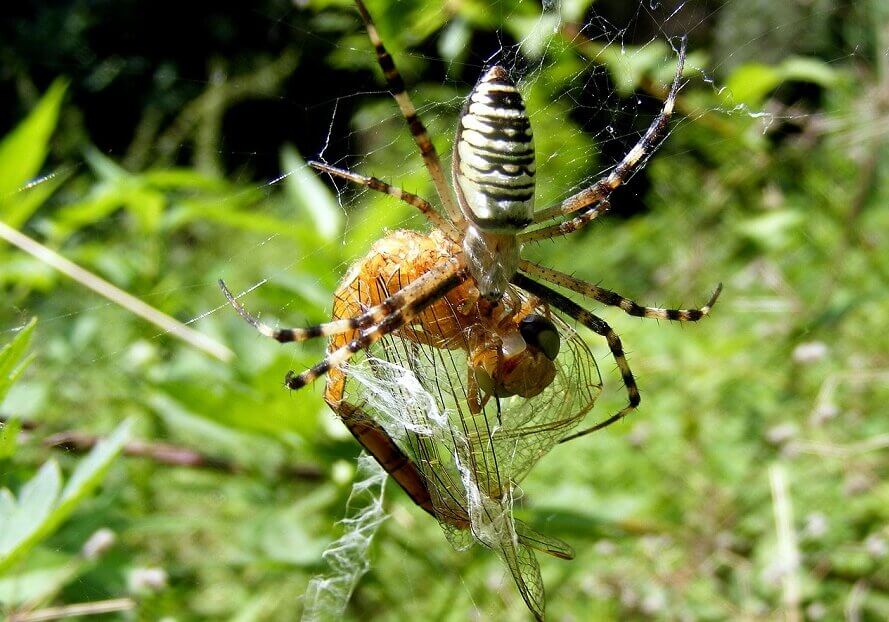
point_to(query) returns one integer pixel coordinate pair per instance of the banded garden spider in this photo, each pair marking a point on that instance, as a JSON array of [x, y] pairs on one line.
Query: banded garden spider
[[463, 312]]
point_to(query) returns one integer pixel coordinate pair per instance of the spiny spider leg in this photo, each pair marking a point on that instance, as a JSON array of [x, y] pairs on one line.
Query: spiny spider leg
[[372, 316], [379, 185], [598, 326], [625, 168], [566, 226], [614, 299], [288, 335], [418, 130], [417, 296]]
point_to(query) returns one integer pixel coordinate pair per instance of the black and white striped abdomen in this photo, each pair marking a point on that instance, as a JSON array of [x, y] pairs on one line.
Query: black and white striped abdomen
[[494, 156]]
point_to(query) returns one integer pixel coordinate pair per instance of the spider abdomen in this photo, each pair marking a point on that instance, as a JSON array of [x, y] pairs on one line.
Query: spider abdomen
[[494, 156]]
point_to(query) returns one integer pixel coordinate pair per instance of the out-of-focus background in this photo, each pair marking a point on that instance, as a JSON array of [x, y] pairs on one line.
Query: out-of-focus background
[[161, 146]]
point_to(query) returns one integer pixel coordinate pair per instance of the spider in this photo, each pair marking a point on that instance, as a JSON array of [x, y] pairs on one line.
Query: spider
[[463, 287]]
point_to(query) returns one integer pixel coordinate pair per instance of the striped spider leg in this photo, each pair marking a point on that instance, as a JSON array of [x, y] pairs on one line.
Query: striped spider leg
[[394, 312], [599, 326], [613, 299], [409, 111], [593, 201], [425, 208]]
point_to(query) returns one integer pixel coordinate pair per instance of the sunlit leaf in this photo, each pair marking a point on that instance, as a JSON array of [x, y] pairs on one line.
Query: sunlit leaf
[[750, 83], [627, 65], [23, 204], [12, 357], [23, 150], [809, 69], [8, 437]]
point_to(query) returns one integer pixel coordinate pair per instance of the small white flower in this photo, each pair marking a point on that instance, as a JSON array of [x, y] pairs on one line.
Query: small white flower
[[809, 352]]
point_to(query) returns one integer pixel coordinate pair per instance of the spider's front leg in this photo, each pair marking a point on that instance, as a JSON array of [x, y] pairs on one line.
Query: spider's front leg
[[598, 326], [372, 325]]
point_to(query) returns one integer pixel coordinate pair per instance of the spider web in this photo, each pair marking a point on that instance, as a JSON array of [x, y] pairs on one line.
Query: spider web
[[603, 122]]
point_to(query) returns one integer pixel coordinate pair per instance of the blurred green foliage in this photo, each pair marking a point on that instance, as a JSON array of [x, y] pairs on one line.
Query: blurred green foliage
[[773, 180]]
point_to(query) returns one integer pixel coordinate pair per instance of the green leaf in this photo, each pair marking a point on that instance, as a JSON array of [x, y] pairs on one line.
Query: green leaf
[[23, 204], [534, 32], [9, 432], [628, 65], [23, 150], [41, 508], [311, 195], [750, 83], [104, 167], [91, 469], [185, 179], [24, 517], [771, 230], [37, 584], [12, 358], [808, 69], [454, 42]]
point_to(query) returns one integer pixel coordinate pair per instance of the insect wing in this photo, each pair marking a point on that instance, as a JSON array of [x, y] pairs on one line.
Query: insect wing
[[541, 542]]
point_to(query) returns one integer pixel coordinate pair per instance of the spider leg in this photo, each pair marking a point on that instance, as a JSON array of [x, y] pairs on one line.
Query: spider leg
[[418, 130], [289, 335], [403, 307], [631, 162], [614, 299], [371, 316], [566, 226], [598, 326], [436, 219]]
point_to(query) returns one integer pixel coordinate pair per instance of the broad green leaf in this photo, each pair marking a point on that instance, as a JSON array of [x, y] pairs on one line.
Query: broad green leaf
[[311, 195], [750, 83], [23, 150], [37, 584], [534, 32], [771, 230], [41, 508], [573, 10], [31, 510], [455, 41], [629, 64], [808, 69], [12, 358]]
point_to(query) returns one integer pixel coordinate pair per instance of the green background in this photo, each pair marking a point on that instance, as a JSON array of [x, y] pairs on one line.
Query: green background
[[158, 133]]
